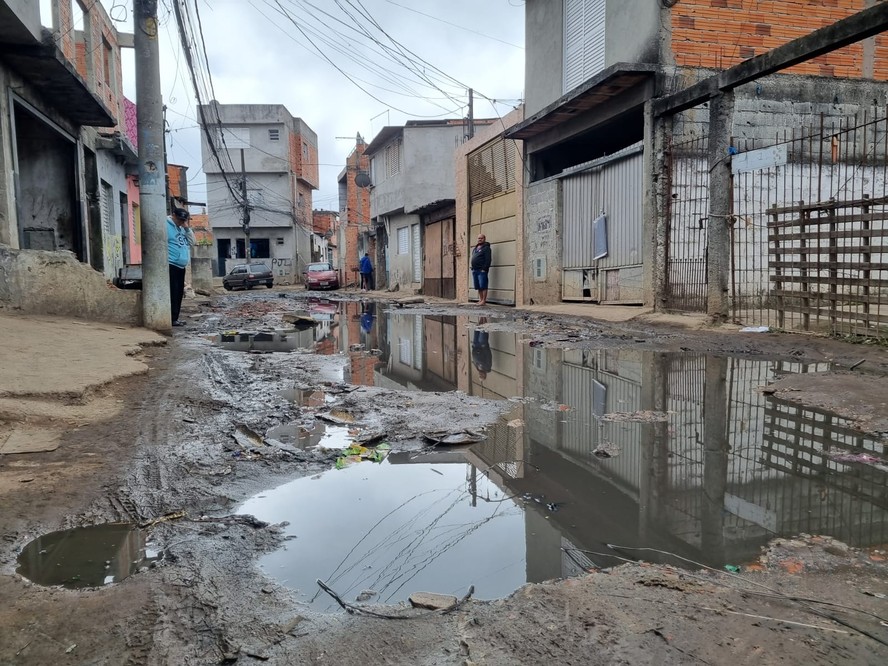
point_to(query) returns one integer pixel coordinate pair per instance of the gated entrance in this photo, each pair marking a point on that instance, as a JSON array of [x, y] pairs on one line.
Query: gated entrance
[[439, 259], [602, 223]]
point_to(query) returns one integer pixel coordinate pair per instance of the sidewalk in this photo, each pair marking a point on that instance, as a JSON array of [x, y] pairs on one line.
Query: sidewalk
[[51, 365]]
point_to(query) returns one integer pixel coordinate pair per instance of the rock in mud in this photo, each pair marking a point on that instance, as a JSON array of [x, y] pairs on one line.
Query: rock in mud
[[431, 600]]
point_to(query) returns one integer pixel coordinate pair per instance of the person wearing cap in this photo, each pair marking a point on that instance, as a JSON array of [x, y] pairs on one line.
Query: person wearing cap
[[180, 238]]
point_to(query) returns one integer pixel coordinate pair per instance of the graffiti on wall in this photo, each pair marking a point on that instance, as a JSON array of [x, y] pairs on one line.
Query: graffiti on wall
[[282, 267], [112, 253]]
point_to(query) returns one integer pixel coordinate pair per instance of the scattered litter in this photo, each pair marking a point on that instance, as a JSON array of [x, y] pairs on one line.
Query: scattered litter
[[366, 595], [357, 453], [645, 416], [863, 458], [858, 364], [71, 648], [454, 438], [337, 416], [755, 329], [606, 450], [733, 568], [246, 437]]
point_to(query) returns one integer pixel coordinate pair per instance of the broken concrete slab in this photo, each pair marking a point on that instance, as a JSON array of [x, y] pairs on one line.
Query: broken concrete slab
[[30, 440], [432, 600]]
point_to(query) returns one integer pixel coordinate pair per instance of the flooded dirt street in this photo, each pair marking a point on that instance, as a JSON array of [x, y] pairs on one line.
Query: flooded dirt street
[[578, 493]]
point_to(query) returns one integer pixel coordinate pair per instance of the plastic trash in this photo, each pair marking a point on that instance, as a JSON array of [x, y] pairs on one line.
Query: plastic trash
[[755, 329]]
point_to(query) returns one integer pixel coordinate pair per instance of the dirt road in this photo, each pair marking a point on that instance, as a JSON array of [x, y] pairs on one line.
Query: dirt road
[[175, 437]]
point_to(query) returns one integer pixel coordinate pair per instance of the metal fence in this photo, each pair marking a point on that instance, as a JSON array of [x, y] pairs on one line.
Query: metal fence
[[810, 207]]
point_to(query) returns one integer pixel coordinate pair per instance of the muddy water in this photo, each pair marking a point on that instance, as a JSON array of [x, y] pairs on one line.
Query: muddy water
[[86, 556], [610, 453]]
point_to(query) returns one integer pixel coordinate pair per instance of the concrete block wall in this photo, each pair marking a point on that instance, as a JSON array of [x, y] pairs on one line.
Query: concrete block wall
[[542, 234], [55, 283]]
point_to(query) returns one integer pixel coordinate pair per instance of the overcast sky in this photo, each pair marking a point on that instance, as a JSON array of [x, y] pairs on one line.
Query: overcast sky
[[257, 55]]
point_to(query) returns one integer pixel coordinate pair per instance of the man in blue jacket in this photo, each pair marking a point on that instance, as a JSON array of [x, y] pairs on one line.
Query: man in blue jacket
[[180, 238]]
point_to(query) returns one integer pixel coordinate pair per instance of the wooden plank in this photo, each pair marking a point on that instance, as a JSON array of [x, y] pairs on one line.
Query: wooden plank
[[830, 296], [837, 249], [826, 313], [855, 28], [850, 218], [842, 281], [829, 265], [812, 235], [827, 205]]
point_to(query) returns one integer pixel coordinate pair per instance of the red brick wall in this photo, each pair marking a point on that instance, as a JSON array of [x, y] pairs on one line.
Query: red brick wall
[[304, 159], [357, 203], [722, 33], [323, 221]]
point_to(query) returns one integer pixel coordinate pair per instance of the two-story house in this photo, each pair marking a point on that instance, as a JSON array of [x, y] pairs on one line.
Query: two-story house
[[273, 156], [67, 135], [413, 194], [596, 151], [355, 234]]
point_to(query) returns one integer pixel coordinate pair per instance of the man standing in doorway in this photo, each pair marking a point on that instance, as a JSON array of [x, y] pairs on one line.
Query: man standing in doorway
[[180, 238], [366, 268], [481, 257]]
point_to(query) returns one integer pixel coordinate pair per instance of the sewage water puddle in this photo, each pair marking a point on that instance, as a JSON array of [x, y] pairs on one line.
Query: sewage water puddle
[[320, 434], [390, 529], [678, 453], [86, 556]]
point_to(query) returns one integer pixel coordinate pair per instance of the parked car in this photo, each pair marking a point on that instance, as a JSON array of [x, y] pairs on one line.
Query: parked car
[[247, 276], [320, 275]]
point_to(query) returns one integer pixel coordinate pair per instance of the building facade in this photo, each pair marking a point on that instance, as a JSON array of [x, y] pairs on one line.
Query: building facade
[[412, 171], [68, 150], [603, 169], [356, 235], [263, 151]]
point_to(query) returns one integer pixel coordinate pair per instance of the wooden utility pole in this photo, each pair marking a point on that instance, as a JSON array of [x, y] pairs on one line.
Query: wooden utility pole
[[152, 170]]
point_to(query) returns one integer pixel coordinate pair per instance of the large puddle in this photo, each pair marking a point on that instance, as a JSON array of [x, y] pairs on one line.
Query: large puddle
[[86, 556], [675, 454]]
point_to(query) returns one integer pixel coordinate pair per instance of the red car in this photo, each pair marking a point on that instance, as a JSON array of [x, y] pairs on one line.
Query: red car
[[320, 276]]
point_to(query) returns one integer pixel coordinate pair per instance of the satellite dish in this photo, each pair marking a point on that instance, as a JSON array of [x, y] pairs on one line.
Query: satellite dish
[[362, 179]]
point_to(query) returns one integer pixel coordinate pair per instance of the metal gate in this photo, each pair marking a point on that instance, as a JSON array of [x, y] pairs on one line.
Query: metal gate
[[602, 222], [439, 260]]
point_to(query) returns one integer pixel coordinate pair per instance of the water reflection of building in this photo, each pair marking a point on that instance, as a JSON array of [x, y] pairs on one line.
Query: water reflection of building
[[730, 469]]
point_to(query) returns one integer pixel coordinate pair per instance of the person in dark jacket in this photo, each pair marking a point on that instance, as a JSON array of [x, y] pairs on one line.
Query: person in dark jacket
[[366, 267], [480, 264]]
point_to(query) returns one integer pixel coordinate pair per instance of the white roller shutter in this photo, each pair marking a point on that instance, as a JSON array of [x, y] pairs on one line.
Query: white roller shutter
[[584, 31]]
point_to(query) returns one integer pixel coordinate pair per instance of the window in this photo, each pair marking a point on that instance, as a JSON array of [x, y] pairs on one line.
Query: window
[[274, 135], [404, 240], [304, 150], [232, 138], [393, 158], [108, 63]]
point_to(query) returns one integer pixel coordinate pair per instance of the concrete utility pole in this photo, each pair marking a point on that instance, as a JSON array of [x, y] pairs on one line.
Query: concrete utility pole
[[245, 219], [471, 128], [718, 253], [152, 170]]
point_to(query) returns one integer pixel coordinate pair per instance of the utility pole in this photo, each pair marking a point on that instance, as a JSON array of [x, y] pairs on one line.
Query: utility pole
[[471, 128], [152, 170], [245, 219]]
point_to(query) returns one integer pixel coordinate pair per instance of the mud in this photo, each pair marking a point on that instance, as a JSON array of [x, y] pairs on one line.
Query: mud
[[203, 431]]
